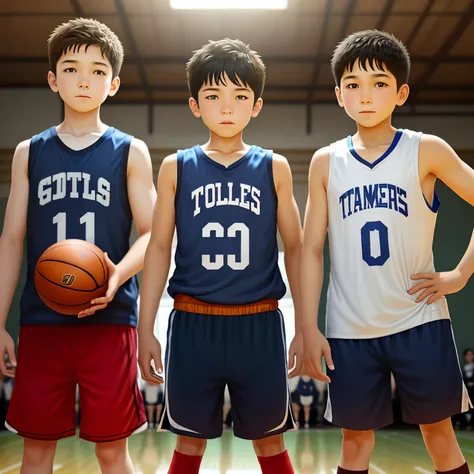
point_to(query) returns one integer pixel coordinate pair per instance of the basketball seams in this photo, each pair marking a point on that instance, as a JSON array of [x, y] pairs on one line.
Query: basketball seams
[[72, 265], [66, 287], [86, 303], [66, 244]]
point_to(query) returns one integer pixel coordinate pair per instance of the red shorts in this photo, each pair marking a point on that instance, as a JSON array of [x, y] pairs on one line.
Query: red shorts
[[101, 359]]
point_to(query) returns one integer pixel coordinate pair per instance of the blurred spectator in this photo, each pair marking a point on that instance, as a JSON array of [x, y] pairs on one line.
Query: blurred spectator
[[295, 399], [226, 407], [153, 397], [468, 376], [308, 394]]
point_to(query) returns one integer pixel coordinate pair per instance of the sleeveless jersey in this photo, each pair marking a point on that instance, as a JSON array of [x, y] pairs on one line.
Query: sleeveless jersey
[[380, 233], [226, 223], [79, 195]]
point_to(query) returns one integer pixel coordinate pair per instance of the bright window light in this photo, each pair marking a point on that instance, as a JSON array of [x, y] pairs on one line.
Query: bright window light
[[229, 4]]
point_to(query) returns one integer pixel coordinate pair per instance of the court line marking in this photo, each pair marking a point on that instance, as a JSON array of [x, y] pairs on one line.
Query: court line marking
[[56, 467], [10, 468], [377, 469]]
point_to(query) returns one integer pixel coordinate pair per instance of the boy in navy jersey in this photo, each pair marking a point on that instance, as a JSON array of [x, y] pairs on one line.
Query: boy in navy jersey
[[226, 200], [374, 195], [80, 180]]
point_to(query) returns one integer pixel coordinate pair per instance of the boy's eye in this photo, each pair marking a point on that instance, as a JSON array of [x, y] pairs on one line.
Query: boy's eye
[[212, 97], [70, 69], [99, 72], [242, 97], [352, 86], [380, 84]]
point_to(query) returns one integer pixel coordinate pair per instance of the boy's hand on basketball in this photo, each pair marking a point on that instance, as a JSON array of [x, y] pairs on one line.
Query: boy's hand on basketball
[[113, 285], [149, 359], [435, 285], [316, 346], [295, 356], [7, 346]]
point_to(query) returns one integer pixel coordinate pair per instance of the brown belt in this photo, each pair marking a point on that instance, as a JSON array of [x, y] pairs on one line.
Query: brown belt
[[189, 304]]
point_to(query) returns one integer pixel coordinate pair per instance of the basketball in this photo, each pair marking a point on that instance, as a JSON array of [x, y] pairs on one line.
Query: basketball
[[70, 274]]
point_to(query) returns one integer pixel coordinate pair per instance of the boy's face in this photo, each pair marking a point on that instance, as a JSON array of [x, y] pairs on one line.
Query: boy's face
[[469, 357], [369, 97], [83, 79], [225, 109]]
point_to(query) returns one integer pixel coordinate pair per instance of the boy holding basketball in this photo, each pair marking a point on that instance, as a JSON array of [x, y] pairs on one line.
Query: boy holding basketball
[[374, 195], [82, 180], [226, 200]]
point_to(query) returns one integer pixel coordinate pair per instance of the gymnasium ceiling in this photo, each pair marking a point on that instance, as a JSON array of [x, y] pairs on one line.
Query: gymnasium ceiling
[[296, 44]]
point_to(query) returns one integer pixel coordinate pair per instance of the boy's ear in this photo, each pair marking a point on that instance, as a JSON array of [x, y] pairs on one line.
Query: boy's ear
[[338, 92], [52, 81], [114, 86], [403, 94], [257, 107], [194, 106]]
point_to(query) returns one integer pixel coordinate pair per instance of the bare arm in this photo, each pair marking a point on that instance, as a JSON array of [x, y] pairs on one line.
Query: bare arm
[[141, 196], [466, 265], [439, 159], [155, 272], [312, 265], [289, 225], [11, 246]]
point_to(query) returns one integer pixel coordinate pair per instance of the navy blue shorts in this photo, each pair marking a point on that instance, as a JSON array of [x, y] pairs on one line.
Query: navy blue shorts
[[205, 353], [425, 364]]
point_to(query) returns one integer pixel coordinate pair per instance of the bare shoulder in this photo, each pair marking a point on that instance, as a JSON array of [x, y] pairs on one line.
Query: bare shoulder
[[281, 172], [319, 167], [22, 151], [430, 144], [139, 153], [321, 157], [280, 164], [169, 170]]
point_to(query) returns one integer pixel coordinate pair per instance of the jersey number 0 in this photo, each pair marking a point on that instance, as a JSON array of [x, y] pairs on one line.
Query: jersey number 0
[[219, 232]]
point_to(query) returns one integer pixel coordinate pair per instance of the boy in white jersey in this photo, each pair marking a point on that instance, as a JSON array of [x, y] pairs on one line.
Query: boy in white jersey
[[374, 195]]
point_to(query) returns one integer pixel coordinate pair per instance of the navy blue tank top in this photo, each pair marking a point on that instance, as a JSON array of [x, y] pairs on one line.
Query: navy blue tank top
[[226, 222], [79, 195]]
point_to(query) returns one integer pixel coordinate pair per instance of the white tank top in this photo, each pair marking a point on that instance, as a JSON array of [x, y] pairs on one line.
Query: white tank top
[[380, 233]]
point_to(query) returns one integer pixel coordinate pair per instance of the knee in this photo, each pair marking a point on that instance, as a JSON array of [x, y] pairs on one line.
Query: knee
[[191, 446], [358, 440], [271, 446], [111, 454], [440, 433], [38, 452]]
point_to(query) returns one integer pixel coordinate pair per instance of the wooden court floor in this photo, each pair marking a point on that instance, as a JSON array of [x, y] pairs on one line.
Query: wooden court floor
[[315, 452]]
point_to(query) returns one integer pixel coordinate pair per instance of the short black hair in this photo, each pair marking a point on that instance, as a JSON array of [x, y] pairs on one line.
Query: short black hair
[[232, 57], [375, 49], [85, 31]]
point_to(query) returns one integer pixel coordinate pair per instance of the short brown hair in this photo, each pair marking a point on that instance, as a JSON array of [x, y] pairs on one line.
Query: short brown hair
[[374, 48], [85, 31], [227, 56]]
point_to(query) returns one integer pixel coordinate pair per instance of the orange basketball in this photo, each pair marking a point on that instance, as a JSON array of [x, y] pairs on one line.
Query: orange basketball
[[70, 274]]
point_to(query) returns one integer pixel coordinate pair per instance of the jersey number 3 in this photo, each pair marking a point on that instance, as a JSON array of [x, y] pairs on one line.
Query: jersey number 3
[[375, 250], [219, 232], [88, 219]]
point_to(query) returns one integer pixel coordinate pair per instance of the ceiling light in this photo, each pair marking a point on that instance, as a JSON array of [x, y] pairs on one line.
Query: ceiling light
[[229, 4]]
